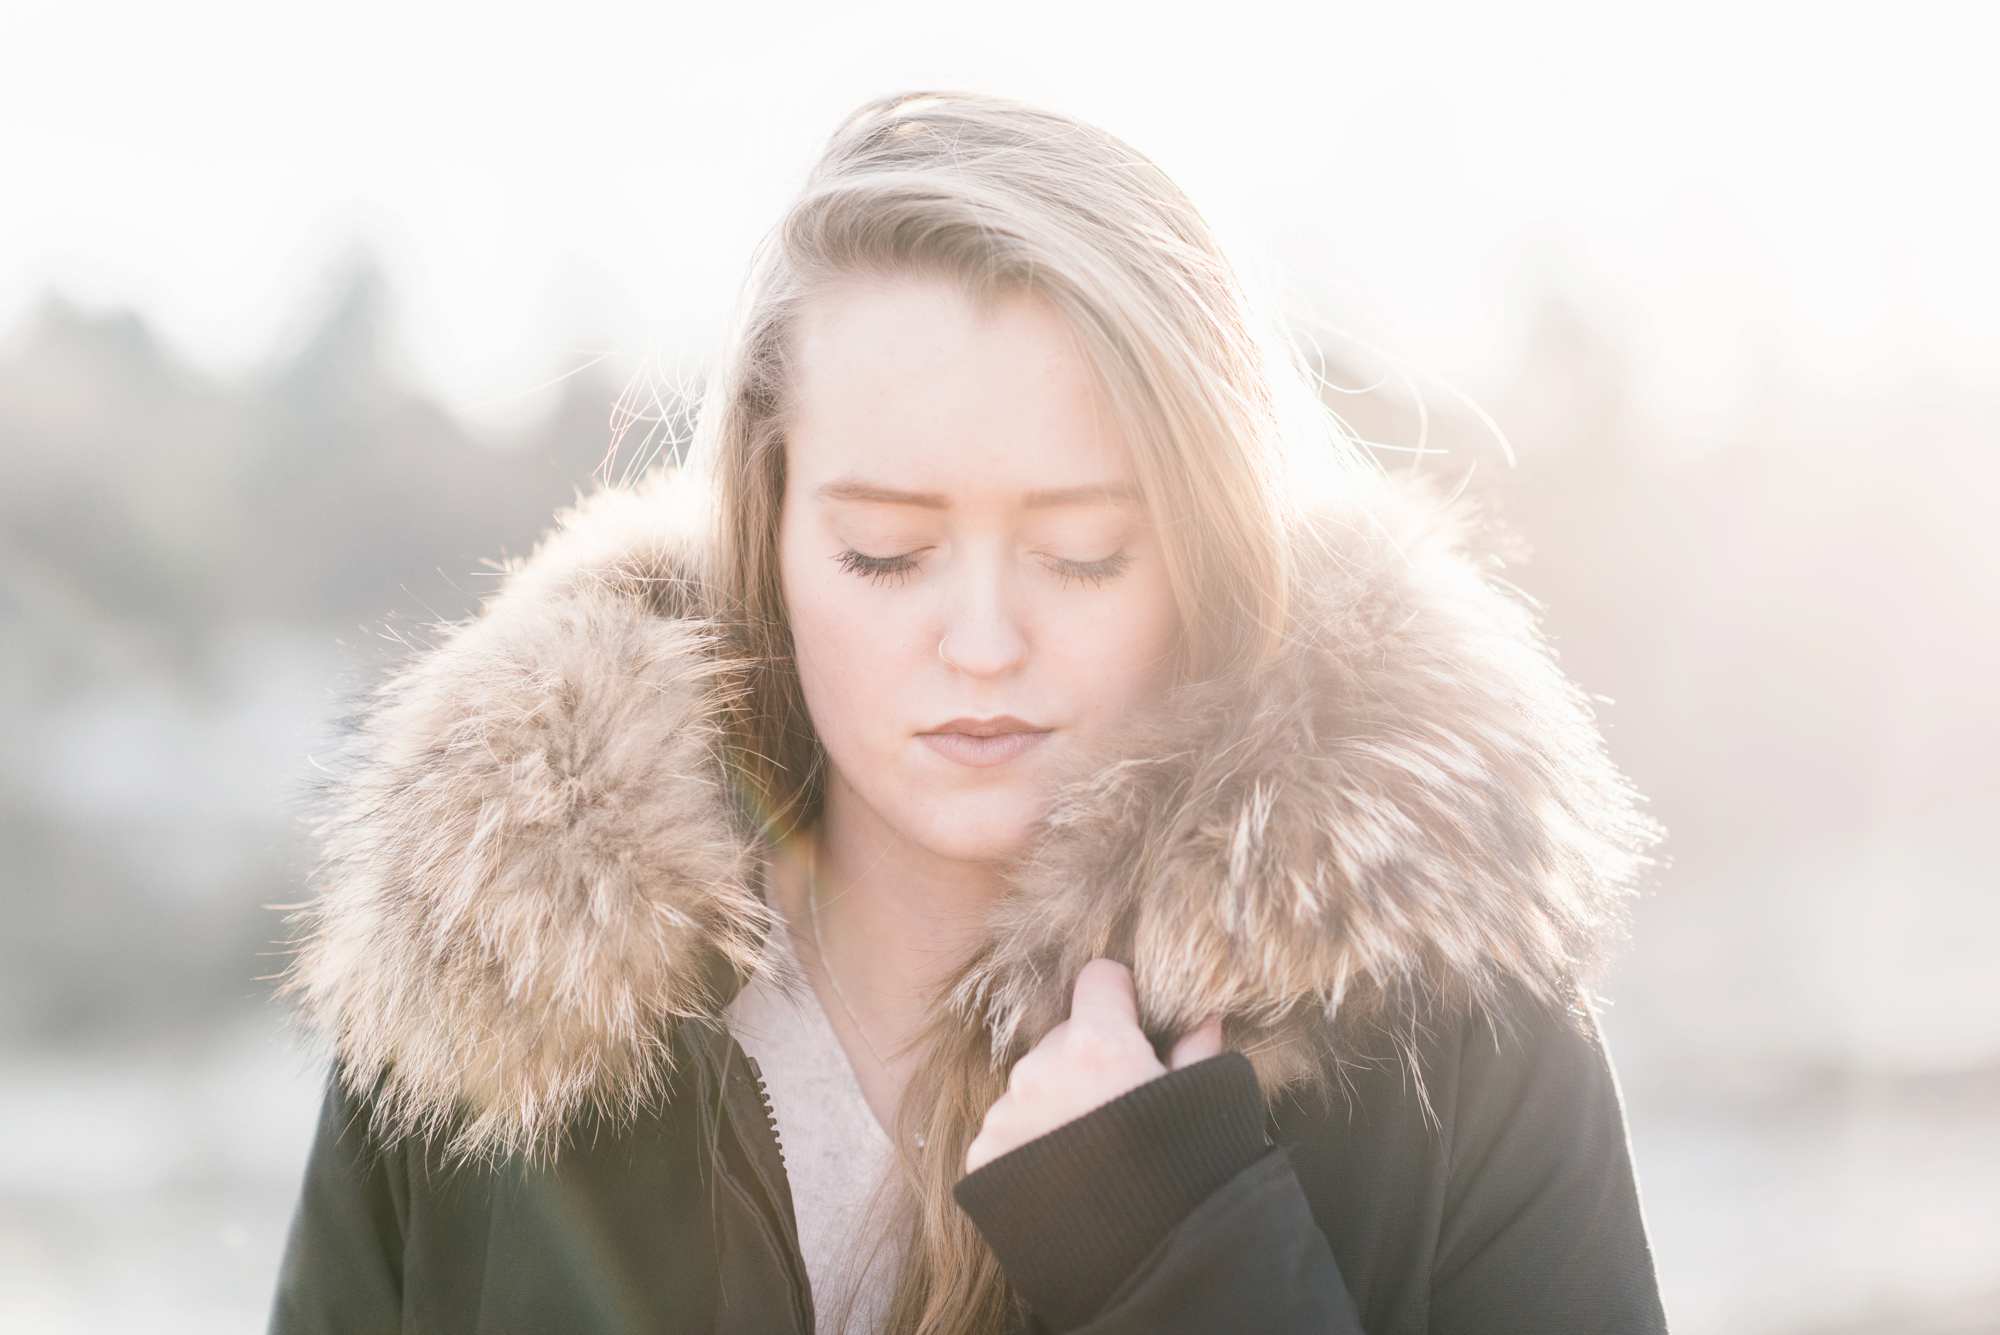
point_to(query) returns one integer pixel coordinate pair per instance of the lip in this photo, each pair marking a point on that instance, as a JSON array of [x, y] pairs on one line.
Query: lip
[[984, 727], [981, 752]]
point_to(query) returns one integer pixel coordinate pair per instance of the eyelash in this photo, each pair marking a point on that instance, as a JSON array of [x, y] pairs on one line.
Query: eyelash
[[883, 569]]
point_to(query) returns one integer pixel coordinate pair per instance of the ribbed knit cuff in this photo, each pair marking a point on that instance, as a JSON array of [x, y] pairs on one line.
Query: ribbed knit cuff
[[1071, 1213]]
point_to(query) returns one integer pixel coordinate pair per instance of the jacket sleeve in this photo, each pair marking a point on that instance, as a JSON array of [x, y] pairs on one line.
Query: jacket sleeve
[[1165, 1209], [1542, 1228], [342, 1268]]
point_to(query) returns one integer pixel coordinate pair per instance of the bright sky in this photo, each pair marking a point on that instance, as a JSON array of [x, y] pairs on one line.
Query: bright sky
[[545, 183]]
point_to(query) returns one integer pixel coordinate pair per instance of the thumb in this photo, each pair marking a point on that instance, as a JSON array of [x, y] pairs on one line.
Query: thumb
[[1197, 1044]]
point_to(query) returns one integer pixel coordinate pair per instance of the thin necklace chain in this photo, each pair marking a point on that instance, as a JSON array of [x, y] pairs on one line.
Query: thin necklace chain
[[826, 965]]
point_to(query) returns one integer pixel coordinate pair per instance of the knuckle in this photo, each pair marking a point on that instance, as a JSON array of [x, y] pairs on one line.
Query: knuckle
[[1095, 1044]]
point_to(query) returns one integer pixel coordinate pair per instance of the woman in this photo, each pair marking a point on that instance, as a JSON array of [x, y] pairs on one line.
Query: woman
[[1021, 830]]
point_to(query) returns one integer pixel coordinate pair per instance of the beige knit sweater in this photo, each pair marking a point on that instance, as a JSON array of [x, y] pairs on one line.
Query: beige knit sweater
[[836, 1153]]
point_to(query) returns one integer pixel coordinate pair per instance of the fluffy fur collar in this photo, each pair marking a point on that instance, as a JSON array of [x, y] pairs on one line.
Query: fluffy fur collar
[[532, 868]]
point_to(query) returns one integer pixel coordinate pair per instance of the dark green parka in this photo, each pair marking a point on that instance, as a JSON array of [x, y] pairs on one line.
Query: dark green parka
[[1391, 858]]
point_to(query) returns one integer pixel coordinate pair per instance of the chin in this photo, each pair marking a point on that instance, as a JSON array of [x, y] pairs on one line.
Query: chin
[[992, 826]]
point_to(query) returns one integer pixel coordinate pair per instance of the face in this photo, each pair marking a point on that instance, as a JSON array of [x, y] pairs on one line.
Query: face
[[955, 479]]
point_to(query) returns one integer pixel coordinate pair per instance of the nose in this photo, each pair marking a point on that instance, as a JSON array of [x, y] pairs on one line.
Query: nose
[[982, 633]]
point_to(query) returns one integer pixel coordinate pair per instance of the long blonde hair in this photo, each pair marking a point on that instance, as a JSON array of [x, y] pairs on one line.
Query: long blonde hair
[[1222, 416]]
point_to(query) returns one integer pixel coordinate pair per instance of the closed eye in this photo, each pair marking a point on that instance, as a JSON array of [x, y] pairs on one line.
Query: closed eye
[[881, 569], [887, 569]]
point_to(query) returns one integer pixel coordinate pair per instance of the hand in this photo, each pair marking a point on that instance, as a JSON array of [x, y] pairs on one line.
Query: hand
[[1089, 1059]]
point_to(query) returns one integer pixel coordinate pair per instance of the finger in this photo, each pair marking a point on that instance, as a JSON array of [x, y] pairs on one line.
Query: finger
[[1197, 1044], [1104, 990]]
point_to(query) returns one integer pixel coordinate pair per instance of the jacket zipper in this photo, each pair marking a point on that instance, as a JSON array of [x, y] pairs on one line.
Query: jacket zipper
[[759, 1137]]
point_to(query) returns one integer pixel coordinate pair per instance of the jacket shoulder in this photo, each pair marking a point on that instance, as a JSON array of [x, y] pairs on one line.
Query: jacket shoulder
[[342, 1265], [1465, 1161], [1540, 1220]]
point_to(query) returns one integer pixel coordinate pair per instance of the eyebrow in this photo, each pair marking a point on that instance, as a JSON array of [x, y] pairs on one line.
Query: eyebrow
[[850, 488]]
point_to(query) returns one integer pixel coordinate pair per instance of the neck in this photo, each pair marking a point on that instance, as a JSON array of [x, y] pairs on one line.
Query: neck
[[894, 922]]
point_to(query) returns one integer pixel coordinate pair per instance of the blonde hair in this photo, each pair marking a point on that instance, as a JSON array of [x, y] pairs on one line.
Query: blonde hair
[[1224, 424]]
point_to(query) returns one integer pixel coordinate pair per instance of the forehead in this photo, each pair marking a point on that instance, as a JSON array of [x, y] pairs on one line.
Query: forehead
[[905, 382]]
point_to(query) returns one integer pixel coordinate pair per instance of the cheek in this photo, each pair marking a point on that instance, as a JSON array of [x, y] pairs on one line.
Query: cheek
[[840, 641], [1155, 636], [1124, 647]]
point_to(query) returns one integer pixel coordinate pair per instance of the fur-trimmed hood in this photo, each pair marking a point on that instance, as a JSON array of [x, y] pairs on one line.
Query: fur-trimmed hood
[[532, 865]]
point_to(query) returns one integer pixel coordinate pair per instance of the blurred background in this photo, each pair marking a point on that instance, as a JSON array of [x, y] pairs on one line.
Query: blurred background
[[307, 315]]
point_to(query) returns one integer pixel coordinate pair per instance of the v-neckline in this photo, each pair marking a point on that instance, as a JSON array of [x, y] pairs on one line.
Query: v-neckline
[[825, 1038]]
